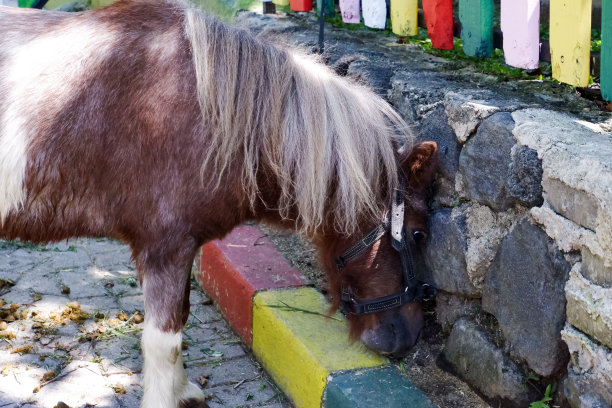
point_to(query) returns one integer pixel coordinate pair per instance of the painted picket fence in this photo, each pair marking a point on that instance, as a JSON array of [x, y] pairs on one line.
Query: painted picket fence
[[570, 31]]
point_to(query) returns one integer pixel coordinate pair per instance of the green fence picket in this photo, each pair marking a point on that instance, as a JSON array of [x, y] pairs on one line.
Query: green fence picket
[[329, 7], [605, 80], [476, 18]]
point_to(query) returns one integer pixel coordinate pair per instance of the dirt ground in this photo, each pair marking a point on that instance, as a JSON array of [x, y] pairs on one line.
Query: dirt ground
[[424, 366]]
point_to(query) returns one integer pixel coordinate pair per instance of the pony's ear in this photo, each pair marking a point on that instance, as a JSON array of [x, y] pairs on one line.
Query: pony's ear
[[420, 165]]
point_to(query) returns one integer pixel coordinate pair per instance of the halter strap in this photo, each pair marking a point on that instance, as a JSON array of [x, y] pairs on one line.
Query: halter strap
[[394, 223]]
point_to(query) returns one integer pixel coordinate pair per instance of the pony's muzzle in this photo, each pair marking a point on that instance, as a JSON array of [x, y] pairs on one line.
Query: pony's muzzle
[[396, 332]]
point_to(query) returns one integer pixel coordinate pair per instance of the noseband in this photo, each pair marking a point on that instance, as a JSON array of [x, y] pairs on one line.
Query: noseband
[[413, 290]]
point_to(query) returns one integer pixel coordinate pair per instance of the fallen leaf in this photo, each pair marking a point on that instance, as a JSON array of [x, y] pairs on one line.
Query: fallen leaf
[[7, 334], [202, 380], [118, 389], [22, 350], [49, 375], [6, 370]]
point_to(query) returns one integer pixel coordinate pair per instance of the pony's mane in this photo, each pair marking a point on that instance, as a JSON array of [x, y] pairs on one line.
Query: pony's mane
[[330, 142]]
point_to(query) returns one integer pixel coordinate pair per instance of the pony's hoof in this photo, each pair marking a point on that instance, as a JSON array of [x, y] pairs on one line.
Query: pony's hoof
[[192, 397], [193, 403]]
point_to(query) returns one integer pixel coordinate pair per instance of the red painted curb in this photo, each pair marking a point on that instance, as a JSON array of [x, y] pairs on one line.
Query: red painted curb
[[231, 271]]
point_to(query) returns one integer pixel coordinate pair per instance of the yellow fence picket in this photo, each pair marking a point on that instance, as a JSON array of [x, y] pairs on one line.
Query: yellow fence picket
[[404, 17], [570, 40]]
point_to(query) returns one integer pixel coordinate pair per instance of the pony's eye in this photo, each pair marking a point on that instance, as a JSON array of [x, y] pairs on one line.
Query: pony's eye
[[419, 236]]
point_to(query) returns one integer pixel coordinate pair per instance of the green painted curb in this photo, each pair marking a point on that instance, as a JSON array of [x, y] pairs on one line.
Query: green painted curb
[[384, 387]]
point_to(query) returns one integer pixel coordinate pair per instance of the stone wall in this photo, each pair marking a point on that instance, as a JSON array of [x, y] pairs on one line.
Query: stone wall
[[520, 242]]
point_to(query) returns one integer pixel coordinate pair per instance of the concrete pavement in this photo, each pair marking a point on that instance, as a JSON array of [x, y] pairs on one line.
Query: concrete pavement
[[70, 323]]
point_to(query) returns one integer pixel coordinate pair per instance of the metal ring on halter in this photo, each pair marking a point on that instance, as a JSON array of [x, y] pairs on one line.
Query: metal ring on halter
[[413, 291]]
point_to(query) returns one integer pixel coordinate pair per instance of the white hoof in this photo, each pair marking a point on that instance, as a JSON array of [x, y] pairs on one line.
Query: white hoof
[[192, 397]]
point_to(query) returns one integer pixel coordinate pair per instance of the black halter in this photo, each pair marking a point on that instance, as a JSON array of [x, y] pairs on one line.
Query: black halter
[[413, 290]]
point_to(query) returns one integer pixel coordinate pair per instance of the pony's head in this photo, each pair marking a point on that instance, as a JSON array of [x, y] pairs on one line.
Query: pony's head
[[368, 277]]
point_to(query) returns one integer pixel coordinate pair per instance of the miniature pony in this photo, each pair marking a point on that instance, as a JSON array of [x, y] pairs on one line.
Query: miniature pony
[[150, 122]]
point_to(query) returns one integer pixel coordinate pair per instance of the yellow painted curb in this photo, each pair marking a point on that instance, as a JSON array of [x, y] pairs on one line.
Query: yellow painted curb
[[299, 350]]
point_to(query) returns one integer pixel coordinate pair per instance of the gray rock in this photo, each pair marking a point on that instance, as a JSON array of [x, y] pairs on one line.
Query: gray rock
[[524, 290], [589, 307], [413, 94], [483, 365], [372, 73], [466, 111], [596, 269], [485, 230], [579, 394], [450, 308], [576, 205], [485, 162], [434, 126], [524, 183], [589, 371], [445, 253], [568, 236], [579, 156]]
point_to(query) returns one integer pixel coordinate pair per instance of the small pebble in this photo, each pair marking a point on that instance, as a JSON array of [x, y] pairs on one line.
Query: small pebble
[[74, 305], [122, 316], [138, 318]]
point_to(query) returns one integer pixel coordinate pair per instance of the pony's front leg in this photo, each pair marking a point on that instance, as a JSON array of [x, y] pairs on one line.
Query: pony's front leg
[[166, 293]]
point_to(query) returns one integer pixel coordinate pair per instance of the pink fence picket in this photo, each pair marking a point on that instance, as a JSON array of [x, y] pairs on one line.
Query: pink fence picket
[[350, 11], [520, 24]]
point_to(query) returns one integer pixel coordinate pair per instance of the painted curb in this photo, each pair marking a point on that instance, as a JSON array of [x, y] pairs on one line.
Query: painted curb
[[233, 269], [308, 355], [300, 350]]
